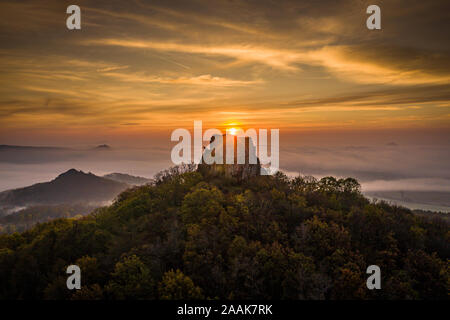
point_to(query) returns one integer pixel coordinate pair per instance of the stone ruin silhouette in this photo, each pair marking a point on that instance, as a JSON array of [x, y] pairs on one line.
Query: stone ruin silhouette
[[236, 170]]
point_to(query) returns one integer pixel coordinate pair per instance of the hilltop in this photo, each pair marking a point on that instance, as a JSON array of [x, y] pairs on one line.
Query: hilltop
[[102, 147], [72, 186], [77, 194], [190, 236]]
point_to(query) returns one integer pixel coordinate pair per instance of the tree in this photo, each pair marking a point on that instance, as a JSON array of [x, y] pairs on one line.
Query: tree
[[131, 280], [177, 286]]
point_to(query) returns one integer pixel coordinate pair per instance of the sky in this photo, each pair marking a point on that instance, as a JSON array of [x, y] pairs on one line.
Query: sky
[[137, 70]]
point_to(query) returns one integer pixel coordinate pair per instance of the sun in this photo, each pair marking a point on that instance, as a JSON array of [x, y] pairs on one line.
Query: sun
[[233, 127], [232, 131]]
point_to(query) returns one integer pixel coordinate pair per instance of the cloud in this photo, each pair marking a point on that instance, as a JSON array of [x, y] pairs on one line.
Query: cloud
[[357, 63], [202, 80], [113, 68], [394, 65], [272, 57], [25, 16], [390, 98]]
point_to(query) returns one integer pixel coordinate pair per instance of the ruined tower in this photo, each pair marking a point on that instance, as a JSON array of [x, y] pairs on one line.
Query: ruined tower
[[241, 171]]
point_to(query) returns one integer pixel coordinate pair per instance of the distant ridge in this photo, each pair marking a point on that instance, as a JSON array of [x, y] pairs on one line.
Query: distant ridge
[[14, 147], [126, 178], [72, 186]]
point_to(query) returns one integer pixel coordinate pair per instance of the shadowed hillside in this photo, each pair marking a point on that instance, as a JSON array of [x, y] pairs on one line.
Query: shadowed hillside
[[269, 237], [25, 219], [69, 187]]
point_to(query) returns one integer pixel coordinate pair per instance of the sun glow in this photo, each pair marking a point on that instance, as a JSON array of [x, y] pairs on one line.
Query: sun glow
[[232, 131], [233, 127]]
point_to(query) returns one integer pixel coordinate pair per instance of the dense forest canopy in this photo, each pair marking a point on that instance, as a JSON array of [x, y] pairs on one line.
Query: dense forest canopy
[[270, 237]]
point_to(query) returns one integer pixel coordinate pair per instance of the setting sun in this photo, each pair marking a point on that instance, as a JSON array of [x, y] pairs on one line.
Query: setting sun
[[234, 131]]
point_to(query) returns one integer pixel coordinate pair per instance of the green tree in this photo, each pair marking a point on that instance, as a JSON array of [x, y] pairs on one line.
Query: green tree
[[177, 286], [131, 280]]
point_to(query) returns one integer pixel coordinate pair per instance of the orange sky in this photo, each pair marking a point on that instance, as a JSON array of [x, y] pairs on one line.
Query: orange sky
[[143, 68]]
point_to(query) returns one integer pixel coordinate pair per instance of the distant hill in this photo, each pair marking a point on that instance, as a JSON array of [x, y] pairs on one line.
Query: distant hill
[[72, 186], [126, 178], [102, 147], [6, 147]]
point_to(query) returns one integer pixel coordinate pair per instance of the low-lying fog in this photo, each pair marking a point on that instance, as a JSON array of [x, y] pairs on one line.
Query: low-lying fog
[[414, 174]]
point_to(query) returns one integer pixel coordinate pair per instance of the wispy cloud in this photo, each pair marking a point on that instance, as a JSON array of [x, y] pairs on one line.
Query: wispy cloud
[[398, 67], [271, 57], [346, 62], [202, 80]]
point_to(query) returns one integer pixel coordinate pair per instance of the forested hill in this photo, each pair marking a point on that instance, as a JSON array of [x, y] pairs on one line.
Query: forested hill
[[72, 186], [270, 237]]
